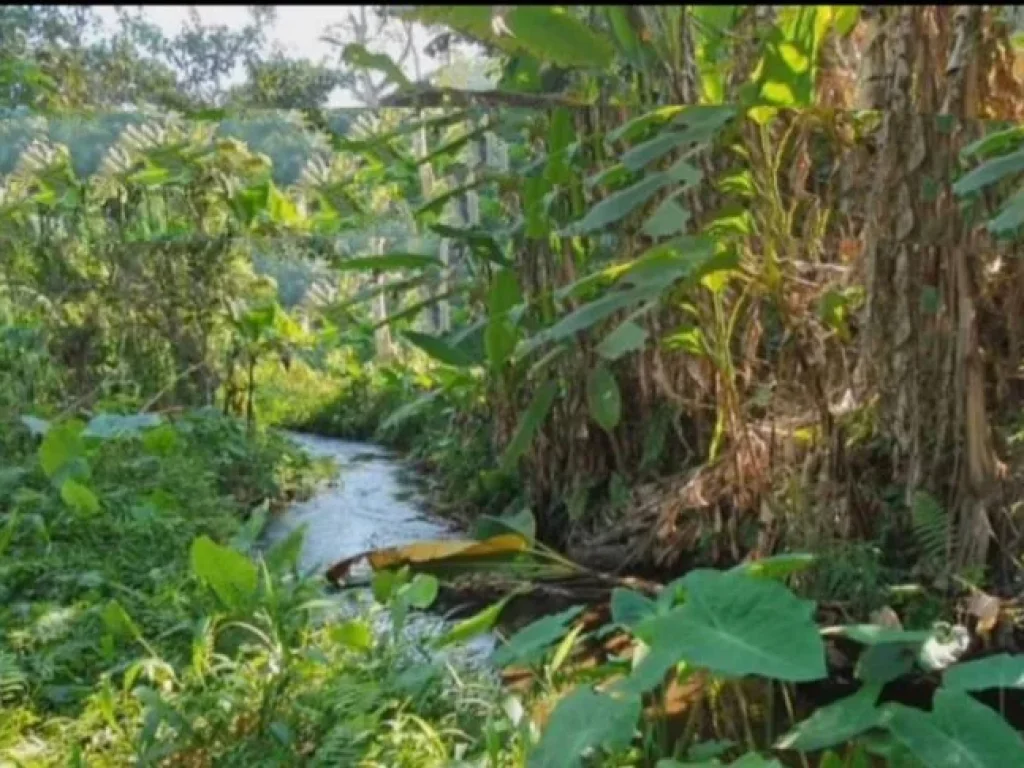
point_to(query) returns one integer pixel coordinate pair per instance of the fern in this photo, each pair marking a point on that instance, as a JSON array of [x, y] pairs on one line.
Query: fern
[[12, 678], [931, 526]]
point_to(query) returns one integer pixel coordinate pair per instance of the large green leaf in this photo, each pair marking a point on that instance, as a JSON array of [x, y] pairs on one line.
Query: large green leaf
[[552, 33], [737, 625], [620, 204], [582, 721], [837, 723], [603, 398], [534, 416], [62, 445], [990, 173], [440, 350], [232, 576], [79, 497], [959, 732], [1000, 671], [629, 607]]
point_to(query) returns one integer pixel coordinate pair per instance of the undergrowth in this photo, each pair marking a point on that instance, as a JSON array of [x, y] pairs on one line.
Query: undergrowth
[[124, 641]]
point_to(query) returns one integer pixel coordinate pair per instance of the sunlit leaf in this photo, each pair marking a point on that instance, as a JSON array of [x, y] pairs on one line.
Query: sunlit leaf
[[474, 626], [79, 497], [232, 576]]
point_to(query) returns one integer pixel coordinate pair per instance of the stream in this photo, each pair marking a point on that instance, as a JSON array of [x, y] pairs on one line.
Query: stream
[[367, 506]]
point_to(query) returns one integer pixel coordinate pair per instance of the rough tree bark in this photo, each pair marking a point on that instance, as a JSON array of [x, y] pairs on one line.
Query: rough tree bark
[[920, 348]]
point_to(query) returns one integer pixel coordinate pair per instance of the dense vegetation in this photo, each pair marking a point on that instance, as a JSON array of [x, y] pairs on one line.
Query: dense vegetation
[[692, 291]]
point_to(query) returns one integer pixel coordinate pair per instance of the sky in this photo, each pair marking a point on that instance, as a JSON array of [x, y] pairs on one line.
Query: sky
[[298, 28]]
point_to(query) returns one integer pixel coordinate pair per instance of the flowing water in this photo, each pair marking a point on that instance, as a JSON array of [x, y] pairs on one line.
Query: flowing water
[[367, 506]]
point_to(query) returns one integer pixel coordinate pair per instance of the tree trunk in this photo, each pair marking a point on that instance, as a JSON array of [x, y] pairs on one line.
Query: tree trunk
[[921, 352]]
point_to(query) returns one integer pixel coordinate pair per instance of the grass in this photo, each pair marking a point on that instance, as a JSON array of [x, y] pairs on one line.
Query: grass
[[114, 652]]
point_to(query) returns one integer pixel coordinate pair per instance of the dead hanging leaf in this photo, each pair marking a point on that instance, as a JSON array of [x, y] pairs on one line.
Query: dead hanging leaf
[[985, 608], [430, 553], [438, 551]]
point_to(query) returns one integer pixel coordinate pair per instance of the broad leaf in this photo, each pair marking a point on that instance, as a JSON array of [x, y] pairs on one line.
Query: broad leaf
[[736, 625], [353, 634], [619, 205], [79, 497], [990, 173], [959, 732], [61, 445], [420, 592], [232, 576], [357, 55], [669, 218], [118, 622], [1000, 671], [837, 723], [629, 607], [552, 33], [582, 721]]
